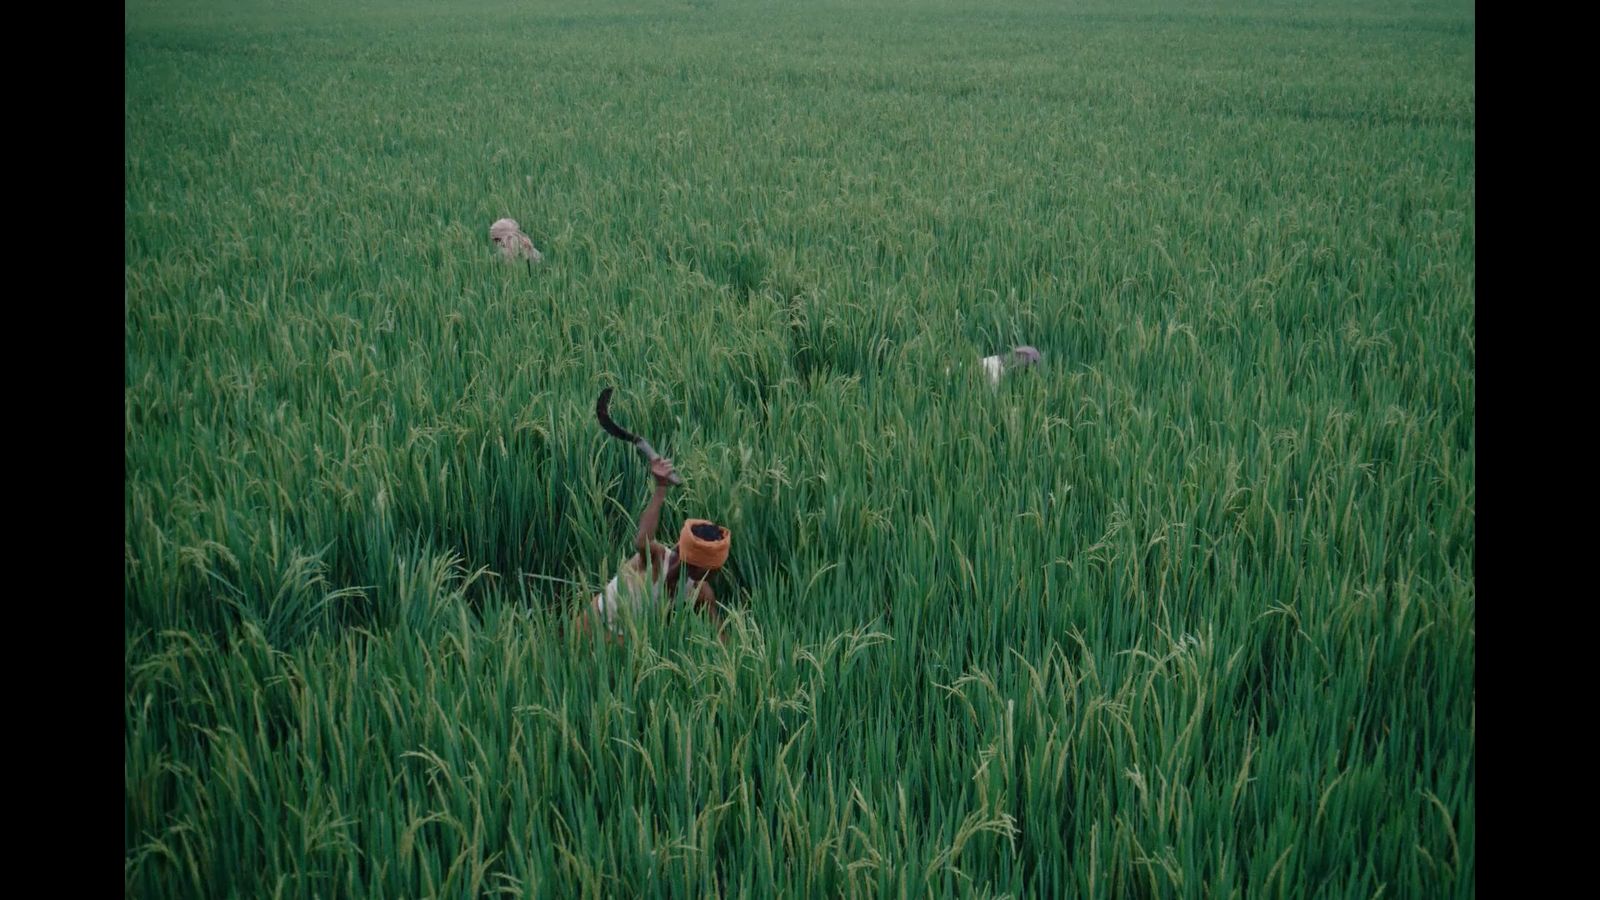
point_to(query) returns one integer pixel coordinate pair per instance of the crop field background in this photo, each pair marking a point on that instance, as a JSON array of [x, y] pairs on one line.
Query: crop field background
[[1186, 610]]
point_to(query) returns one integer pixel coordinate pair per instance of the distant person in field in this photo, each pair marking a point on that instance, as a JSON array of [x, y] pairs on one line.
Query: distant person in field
[[513, 244], [657, 576], [995, 366]]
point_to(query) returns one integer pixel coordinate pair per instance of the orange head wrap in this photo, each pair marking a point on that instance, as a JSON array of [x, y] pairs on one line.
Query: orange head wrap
[[696, 551]]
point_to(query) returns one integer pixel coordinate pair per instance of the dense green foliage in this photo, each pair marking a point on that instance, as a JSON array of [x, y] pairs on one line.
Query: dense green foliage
[[1186, 610]]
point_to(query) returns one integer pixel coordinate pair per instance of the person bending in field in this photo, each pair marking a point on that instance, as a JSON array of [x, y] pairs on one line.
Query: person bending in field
[[994, 367], [643, 581], [1019, 357]]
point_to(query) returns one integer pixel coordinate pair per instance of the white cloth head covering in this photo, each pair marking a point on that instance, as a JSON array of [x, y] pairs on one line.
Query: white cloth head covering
[[513, 244]]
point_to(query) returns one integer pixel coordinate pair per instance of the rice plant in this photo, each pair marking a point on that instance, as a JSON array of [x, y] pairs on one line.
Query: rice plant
[[1184, 609]]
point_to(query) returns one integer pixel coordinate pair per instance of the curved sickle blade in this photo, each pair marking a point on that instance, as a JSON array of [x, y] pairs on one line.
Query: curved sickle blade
[[602, 411]]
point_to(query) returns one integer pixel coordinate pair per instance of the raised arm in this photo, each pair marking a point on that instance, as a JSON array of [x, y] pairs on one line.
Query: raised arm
[[645, 539]]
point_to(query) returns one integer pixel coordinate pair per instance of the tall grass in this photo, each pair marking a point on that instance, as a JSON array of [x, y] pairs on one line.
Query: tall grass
[[1187, 610]]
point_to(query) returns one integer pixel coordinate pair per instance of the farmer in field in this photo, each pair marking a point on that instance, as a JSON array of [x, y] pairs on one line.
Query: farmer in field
[[994, 367], [658, 576], [1019, 357], [514, 245]]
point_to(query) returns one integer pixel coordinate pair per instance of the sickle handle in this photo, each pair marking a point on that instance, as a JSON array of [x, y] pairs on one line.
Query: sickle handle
[[650, 454]]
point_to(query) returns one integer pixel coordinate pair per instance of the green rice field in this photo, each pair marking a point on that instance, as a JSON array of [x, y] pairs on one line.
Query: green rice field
[[1185, 610]]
